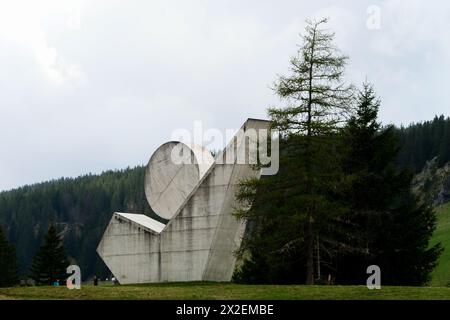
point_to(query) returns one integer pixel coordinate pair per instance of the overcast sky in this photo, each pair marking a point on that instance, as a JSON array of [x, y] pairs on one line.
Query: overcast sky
[[87, 86]]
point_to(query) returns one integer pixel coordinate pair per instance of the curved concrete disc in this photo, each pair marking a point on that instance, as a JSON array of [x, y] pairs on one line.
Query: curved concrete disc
[[172, 173]]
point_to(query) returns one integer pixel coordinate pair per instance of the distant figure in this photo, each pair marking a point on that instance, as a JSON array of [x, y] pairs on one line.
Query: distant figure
[[114, 281], [95, 281], [56, 283]]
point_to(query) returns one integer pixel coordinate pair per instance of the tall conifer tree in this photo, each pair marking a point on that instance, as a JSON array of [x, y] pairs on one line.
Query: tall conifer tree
[[393, 228], [317, 102]]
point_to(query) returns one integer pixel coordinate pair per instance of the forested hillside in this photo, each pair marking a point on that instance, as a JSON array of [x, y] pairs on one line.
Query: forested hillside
[[80, 207], [421, 142]]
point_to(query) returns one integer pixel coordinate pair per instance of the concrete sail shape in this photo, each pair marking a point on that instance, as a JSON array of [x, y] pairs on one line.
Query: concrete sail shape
[[198, 197], [172, 173]]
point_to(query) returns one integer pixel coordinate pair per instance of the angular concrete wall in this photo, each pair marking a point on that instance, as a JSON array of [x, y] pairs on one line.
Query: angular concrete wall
[[199, 241]]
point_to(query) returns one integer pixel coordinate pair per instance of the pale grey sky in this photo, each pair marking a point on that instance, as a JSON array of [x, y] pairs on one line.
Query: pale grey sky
[[87, 86]]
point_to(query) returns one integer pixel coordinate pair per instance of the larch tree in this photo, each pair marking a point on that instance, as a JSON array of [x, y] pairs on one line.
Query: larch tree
[[298, 199], [318, 103]]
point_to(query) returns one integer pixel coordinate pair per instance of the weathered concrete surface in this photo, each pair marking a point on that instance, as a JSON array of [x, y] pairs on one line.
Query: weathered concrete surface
[[198, 242], [172, 173]]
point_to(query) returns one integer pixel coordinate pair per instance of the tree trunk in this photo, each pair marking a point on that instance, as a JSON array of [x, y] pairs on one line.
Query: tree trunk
[[318, 259], [309, 254], [309, 232]]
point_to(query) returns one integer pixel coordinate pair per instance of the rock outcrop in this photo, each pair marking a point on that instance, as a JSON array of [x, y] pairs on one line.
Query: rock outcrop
[[433, 183]]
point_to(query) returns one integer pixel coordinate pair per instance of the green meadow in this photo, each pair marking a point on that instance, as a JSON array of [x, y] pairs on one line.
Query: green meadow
[[225, 291]]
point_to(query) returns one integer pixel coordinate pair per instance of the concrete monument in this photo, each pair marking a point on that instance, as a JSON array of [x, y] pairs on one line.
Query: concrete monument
[[196, 194]]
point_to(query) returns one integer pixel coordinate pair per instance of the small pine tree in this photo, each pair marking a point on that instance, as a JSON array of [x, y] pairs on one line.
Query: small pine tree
[[8, 262], [50, 262]]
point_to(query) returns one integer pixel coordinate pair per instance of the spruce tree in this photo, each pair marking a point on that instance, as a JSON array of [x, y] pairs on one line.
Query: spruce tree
[[391, 227], [50, 262], [8, 262]]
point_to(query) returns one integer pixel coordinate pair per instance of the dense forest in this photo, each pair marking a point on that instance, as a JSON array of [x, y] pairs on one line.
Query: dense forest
[[421, 142], [80, 208]]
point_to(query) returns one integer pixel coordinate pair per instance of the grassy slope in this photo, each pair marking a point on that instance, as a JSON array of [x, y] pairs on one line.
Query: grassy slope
[[194, 291], [441, 275]]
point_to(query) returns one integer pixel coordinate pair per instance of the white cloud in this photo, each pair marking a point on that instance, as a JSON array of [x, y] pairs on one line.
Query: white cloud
[[94, 85], [21, 26]]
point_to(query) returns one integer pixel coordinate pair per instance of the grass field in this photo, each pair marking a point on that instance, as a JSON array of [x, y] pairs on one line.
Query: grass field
[[441, 274], [439, 289], [194, 291]]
